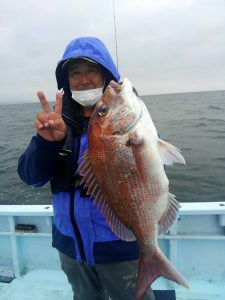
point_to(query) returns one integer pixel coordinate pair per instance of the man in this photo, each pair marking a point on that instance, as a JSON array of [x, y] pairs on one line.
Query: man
[[97, 263]]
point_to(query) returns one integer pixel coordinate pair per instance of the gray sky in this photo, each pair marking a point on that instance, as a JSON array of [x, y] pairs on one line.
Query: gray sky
[[164, 46]]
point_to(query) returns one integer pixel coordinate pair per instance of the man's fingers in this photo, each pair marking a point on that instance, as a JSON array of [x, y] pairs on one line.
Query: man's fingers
[[38, 125], [43, 119], [58, 124], [44, 102], [58, 103]]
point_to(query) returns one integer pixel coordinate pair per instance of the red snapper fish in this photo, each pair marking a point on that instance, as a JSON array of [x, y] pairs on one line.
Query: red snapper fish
[[123, 170]]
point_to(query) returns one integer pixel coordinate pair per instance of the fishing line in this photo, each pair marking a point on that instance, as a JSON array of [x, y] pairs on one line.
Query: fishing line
[[115, 34]]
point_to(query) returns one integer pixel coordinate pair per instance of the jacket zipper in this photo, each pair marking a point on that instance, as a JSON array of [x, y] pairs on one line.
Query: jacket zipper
[[72, 204], [75, 227]]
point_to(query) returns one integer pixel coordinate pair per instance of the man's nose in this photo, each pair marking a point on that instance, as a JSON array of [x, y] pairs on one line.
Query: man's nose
[[84, 79]]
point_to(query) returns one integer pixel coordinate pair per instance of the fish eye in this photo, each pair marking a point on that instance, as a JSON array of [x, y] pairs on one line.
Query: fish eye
[[102, 111]]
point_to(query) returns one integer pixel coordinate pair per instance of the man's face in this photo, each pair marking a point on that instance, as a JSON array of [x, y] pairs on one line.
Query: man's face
[[85, 75]]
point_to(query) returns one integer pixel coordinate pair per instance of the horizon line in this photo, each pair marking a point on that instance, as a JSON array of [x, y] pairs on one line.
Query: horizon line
[[145, 95]]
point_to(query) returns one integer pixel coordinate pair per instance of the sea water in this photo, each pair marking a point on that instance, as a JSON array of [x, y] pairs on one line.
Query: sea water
[[193, 122]]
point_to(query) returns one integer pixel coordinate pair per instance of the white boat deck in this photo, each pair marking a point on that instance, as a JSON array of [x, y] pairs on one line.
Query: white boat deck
[[53, 285], [37, 285]]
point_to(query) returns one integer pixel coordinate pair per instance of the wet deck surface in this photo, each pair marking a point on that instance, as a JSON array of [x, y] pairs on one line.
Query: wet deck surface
[[202, 290], [37, 285], [53, 285]]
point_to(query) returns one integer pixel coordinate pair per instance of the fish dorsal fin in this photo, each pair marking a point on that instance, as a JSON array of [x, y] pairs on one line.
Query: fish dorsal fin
[[90, 182], [170, 215], [169, 153]]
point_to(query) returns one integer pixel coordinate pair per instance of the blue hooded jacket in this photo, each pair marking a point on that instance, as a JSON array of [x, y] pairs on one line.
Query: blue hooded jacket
[[91, 48], [79, 229]]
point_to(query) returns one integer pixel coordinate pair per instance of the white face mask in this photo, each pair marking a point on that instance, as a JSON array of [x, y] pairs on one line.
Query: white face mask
[[87, 97]]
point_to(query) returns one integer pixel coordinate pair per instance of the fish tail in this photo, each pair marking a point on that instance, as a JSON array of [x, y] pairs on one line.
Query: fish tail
[[152, 267]]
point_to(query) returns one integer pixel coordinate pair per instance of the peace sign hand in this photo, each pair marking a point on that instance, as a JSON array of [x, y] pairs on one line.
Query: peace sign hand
[[49, 124]]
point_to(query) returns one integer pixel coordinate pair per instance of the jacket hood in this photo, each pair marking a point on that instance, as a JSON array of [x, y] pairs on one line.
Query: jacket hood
[[89, 47]]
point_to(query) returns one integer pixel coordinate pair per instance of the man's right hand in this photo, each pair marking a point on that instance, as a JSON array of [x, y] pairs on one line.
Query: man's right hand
[[49, 124]]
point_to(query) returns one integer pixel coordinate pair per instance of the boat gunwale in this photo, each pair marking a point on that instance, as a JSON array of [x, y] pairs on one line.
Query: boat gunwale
[[191, 208]]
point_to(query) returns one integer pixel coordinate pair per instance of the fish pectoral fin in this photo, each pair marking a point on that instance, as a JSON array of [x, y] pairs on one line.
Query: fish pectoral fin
[[93, 189], [170, 153], [170, 215]]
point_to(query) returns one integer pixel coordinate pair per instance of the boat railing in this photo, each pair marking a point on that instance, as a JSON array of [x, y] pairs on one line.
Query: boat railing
[[196, 238]]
